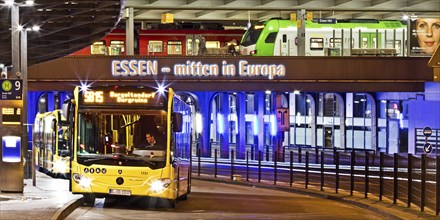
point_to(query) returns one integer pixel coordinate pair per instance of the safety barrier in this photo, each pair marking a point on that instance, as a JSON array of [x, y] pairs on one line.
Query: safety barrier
[[408, 178]]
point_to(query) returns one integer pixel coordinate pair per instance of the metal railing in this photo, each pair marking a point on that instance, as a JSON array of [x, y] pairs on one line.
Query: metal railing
[[411, 179]]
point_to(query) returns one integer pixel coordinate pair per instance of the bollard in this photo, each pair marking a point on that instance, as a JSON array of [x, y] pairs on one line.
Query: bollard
[[409, 180], [198, 161], [215, 163], [275, 169], [247, 166], [317, 155], [396, 163], [307, 169], [352, 162], [423, 184], [291, 168], [267, 153], [322, 170], [337, 172], [259, 166], [367, 177], [381, 165], [437, 186], [232, 164]]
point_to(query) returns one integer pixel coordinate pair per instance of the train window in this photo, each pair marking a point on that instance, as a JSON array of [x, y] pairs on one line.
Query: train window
[[271, 37], [155, 46], [397, 45], [335, 42], [316, 43], [174, 47], [98, 47], [364, 43], [116, 47], [212, 44]]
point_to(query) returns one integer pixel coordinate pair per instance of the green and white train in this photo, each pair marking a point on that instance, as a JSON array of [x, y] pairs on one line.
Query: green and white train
[[278, 37]]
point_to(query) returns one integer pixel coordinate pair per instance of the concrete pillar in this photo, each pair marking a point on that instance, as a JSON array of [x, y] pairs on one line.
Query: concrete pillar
[[241, 126], [129, 32], [224, 130], [259, 114], [205, 99]]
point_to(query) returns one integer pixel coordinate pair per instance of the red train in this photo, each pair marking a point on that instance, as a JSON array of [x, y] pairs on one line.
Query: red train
[[172, 40]]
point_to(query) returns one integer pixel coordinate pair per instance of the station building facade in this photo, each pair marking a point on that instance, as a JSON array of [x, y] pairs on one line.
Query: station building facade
[[272, 104]]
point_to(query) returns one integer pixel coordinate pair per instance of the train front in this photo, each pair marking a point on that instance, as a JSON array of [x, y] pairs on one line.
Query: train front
[[249, 40]]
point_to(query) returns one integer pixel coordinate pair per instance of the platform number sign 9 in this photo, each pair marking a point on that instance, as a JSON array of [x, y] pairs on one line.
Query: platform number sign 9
[[11, 89]]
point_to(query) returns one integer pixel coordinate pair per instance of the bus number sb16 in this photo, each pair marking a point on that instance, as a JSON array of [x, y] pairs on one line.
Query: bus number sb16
[[94, 97]]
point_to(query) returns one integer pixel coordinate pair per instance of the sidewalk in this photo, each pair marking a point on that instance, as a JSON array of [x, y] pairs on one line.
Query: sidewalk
[[49, 199]]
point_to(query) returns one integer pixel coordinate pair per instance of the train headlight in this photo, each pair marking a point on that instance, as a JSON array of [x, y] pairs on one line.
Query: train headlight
[[83, 181], [253, 52], [159, 185]]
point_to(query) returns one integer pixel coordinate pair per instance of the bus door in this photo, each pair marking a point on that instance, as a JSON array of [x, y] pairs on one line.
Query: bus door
[[192, 44]]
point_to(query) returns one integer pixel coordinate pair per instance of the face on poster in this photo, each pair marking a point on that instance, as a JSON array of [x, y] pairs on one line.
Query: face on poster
[[425, 36]]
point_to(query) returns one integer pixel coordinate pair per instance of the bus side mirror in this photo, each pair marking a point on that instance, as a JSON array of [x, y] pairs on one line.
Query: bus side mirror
[[66, 111], [177, 120]]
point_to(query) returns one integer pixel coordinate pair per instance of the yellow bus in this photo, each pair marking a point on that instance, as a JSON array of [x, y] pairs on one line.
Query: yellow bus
[[52, 152], [110, 156]]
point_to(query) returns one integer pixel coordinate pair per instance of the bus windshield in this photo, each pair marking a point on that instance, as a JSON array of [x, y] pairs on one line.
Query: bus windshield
[[251, 37], [122, 138]]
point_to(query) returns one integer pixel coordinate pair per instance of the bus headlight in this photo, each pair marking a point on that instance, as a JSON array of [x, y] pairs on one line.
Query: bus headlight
[[83, 181], [59, 166], [159, 185]]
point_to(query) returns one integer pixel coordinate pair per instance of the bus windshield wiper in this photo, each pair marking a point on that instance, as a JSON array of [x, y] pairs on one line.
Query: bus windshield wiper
[[140, 159], [96, 159]]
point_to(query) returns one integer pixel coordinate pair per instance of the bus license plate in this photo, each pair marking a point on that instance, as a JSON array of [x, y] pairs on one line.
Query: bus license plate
[[120, 192]]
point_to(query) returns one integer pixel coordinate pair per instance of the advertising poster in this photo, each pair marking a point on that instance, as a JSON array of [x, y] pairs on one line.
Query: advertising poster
[[424, 36]]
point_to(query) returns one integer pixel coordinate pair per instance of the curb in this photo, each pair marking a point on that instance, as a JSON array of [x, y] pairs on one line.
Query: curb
[[309, 193], [68, 208]]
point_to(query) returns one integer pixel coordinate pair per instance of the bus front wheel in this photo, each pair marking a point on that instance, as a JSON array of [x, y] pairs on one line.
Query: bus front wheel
[[172, 203], [89, 199]]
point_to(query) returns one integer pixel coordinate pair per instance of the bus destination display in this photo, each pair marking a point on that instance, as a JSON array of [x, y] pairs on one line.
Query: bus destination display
[[115, 97]]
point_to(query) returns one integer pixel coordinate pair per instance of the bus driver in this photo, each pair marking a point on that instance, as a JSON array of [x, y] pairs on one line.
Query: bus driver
[[150, 141]]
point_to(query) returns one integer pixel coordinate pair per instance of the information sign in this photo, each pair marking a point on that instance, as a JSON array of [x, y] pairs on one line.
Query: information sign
[[427, 148], [427, 131], [11, 89]]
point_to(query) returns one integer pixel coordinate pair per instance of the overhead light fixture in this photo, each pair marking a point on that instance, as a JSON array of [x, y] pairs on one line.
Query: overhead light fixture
[[9, 2]]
